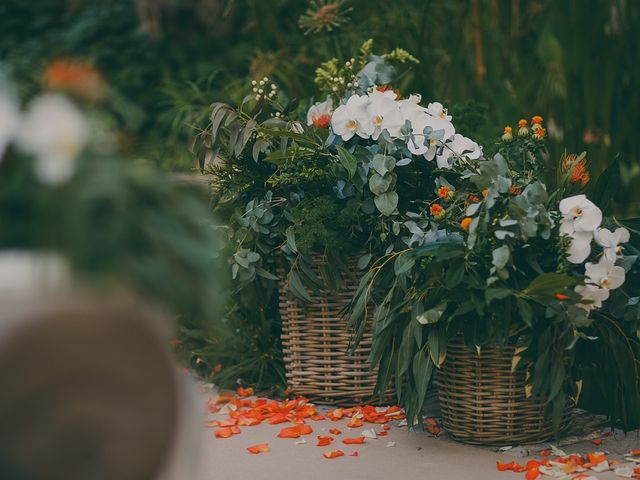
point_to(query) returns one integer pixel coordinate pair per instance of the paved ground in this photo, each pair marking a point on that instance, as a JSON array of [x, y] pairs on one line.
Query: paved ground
[[414, 456]]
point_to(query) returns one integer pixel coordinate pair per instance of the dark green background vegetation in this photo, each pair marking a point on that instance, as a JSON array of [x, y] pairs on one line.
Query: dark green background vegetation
[[575, 62]]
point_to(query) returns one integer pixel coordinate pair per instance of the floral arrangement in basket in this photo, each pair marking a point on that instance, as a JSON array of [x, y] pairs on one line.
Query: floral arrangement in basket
[[337, 184], [495, 256]]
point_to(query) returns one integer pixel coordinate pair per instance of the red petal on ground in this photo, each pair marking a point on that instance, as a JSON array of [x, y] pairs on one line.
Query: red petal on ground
[[244, 392], [289, 432], [212, 423], [353, 454], [304, 429], [334, 431], [544, 453], [635, 453], [597, 441], [353, 441], [324, 441], [235, 430], [259, 448], [386, 427], [382, 433], [532, 474], [248, 422], [355, 423], [333, 454], [277, 418], [504, 467], [431, 421], [317, 417], [223, 433], [581, 476], [596, 458]]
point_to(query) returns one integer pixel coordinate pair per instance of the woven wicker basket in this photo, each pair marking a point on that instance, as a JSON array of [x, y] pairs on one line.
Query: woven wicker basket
[[315, 340], [484, 403]]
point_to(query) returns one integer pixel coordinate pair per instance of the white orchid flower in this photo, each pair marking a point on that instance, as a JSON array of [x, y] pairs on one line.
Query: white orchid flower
[[579, 214], [9, 121], [385, 114], [610, 241], [580, 217], [420, 145], [592, 296], [458, 146], [437, 110], [55, 131], [353, 118], [605, 274], [319, 115]]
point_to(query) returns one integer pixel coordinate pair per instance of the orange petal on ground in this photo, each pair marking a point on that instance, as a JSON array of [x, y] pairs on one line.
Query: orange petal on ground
[[289, 432], [212, 423], [382, 433], [544, 453], [259, 448], [597, 441], [333, 454], [235, 430], [355, 423], [532, 474], [334, 431], [431, 421], [353, 441], [532, 464], [277, 418], [596, 458], [434, 430], [324, 441], [386, 427], [248, 422], [244, 392], [353, 454], [635, 453], [223, 397], [229, 422], [317, 417], [304, 429], [223, 433], [504, 467]]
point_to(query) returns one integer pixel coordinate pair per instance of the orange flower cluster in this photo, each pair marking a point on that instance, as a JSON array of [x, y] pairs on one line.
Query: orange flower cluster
[[75, 76], [572, 466], [245, 412], [437, 211], [445, 193], [575, 169]]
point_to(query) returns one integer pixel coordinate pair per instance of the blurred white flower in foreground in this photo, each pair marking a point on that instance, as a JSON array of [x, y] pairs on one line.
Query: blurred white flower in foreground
[[9, 121], [592, 296], [55, 131], [319, 115]]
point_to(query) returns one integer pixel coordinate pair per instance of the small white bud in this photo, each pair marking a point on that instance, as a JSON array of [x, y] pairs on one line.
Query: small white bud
[[255, 90], [260, 91], [335, 89], [265, 79], [257, 97], [352, 60], [349, 85], [261, 83], [273, 86], [253, 82]]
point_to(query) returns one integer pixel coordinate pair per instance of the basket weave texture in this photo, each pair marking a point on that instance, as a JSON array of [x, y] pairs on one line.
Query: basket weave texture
[[315, 340], [483, 402]]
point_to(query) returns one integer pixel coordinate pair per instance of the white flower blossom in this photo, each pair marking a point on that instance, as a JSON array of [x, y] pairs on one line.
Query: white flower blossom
[[9, 121], [610, 241], [604, 274], [55, 132], [592, 296], [458, 146], [437, 110], [385, 113], [319, 114], [580, 217], [419, 145], [353, 119]]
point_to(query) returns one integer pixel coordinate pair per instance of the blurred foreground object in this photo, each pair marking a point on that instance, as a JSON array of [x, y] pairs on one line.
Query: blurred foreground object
[[91, 393]]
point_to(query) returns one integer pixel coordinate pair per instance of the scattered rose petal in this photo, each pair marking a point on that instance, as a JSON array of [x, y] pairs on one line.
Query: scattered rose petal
[[353, 441], [223, 433], [244, 392], [355, 423], [324, 441], [289, 432], [597, 441], [353, 454], [259, 448], [334, 431], [532, 474], [333, 454], [304, 429]]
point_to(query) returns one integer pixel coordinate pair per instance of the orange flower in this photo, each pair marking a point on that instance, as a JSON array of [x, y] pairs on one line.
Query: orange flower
[[75, 76], [259, 448], [561, 297], [464, 224], [507, 136], [323, 121], [445, 192], [536, 120], [539, 133], [384, 88], [324, 441], [522, 123], [579, 173], [333, 454], [473, 198], [513, 190], [485, 192], [353, 441], [437, 211]]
